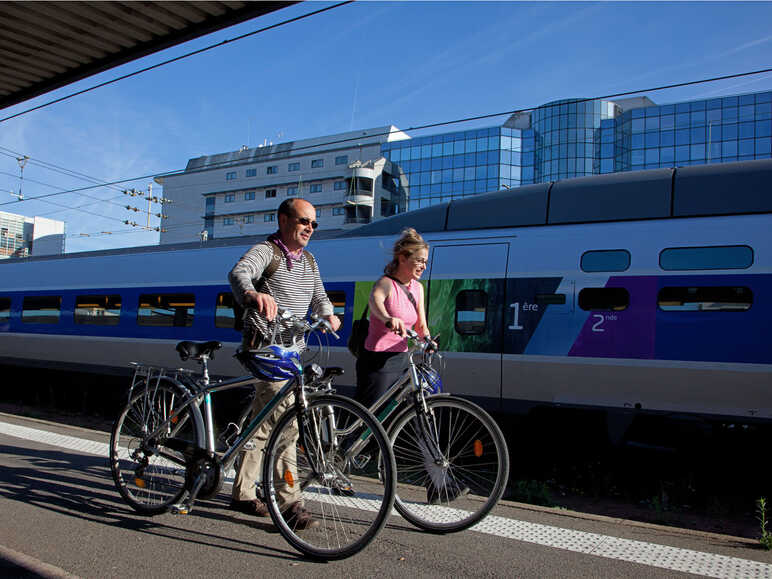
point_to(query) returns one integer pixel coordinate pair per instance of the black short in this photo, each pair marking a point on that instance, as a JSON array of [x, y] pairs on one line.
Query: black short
[[376, 372]]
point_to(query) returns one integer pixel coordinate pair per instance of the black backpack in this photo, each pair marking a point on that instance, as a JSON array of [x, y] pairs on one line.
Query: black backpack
[[238, 311]]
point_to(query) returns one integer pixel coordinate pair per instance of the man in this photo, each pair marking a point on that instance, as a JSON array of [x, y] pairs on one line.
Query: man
[[294, 285]]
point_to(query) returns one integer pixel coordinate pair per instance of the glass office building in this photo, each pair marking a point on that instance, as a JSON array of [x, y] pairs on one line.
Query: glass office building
[[578, 137], [452, 165]]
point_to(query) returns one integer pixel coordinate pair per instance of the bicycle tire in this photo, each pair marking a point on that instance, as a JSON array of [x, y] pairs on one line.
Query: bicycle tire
[[152, 478], [347, 519], [454, 495]]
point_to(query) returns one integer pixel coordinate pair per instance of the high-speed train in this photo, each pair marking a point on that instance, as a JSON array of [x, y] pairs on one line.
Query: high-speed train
[[634, 293]]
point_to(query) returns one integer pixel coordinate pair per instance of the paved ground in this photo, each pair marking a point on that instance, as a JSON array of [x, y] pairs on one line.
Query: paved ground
[[714, 519], [60, 509]]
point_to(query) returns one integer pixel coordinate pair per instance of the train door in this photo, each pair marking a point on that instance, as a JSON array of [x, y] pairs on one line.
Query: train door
[[466, 305]]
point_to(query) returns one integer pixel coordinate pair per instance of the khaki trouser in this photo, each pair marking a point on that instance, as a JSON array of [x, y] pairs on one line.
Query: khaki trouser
[[250, 469]]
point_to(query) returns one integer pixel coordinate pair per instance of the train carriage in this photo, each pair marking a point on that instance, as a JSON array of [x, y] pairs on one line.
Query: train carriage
[[633, 293]]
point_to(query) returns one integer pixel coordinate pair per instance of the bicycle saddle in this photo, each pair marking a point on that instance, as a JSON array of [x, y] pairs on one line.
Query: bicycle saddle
[[196, 350]]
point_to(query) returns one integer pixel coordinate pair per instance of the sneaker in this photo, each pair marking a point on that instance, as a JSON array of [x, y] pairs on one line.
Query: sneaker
[[254, 507], [298, 518], [448, 494]]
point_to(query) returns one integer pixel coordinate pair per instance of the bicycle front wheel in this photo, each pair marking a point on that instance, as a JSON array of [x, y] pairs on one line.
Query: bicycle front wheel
[[326, 504], [149, 475], [452, 464]]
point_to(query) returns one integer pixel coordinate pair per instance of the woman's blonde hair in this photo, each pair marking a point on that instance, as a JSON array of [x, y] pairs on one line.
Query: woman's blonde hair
[[408, 243]]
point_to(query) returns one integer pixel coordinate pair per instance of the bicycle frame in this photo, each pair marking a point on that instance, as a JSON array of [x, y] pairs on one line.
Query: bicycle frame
[[202, 394], [388, 403]]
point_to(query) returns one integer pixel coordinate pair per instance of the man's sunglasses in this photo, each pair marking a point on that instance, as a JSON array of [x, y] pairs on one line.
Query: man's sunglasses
[[306, 221]]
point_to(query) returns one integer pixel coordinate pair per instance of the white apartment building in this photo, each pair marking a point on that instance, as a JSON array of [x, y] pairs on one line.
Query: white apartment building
[[237, 193], [22, 236]]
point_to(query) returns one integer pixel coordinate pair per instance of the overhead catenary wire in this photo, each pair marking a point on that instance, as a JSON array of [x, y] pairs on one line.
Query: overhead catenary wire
[[389, 132]]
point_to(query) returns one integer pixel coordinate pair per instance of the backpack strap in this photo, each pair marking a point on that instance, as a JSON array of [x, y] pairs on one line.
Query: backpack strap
[[270, 269]]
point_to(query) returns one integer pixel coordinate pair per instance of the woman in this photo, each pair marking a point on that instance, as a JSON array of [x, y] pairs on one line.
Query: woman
[[392, 313]]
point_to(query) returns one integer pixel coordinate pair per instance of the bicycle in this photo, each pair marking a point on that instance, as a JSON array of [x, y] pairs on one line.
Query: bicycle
[[452, 460], [163, 455]]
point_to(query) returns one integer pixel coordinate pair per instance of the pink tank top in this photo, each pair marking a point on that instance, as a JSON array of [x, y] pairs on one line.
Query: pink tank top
[[398, 305]]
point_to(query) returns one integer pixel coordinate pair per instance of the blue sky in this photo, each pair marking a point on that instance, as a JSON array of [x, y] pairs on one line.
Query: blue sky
[[362, 65]]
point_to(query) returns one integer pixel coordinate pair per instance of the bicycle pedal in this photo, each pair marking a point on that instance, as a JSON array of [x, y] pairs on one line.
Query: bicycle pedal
[[179, 510], [360, 460]]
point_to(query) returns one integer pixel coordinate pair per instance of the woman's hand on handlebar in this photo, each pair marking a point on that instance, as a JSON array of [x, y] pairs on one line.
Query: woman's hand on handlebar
[[397, 326]]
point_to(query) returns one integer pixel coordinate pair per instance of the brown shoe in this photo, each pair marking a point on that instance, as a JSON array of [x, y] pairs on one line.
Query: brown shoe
[[254, 507], [298, 518]]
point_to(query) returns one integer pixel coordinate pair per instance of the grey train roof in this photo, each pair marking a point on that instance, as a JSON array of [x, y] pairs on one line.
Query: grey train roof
[[701, 190]]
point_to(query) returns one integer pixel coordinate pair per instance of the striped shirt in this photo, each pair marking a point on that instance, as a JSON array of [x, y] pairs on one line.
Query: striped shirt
[[296, 289]]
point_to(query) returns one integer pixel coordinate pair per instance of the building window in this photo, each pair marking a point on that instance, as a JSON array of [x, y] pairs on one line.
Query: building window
[[293, 167], [249, 219], [338, 211], [341, 160], [605, 260], [292, 191], [604, 298], [251, 173], [315, 188], [249, 196], [717, 257], [339, 186], [98, 310], [166, 310], [471, 311], [227, 221], [317, 163], [223, 313], [318, 212], [269, 193], [271, 169], [269, 217], [230, 176], [41, 309], [230, 197]]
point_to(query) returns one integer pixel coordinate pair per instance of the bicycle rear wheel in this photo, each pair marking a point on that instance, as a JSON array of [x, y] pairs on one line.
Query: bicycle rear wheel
[[456, 489], [149, 475], [345, 501]]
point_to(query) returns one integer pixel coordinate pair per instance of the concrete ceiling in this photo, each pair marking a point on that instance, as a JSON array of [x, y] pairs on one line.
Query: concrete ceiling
[[47, 45]]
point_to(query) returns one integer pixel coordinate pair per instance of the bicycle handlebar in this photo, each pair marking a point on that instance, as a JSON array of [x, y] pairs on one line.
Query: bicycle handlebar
[[302, 324]]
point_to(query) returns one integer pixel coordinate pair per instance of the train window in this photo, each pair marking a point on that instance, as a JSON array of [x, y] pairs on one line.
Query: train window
[[223, 312], [338, 300], [604, 298], [551, 299], [41, 309], [716, 257], [605, 260], [471, 311], [166, 310], [705, 299], [98, 310], [5, 310]]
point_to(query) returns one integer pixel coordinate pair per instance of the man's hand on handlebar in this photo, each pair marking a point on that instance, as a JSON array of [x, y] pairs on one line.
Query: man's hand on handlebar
[[263, 303]]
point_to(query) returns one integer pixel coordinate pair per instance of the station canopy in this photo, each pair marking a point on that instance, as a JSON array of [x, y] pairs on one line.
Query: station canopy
[[47, 45]]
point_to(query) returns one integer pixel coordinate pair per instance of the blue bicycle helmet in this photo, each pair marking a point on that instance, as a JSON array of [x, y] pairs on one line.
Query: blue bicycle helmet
[[430, 379], [272, 363]]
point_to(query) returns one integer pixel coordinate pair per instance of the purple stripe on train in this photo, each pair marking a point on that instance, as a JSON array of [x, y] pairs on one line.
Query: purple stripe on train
[[628, 333], [644, 331]]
